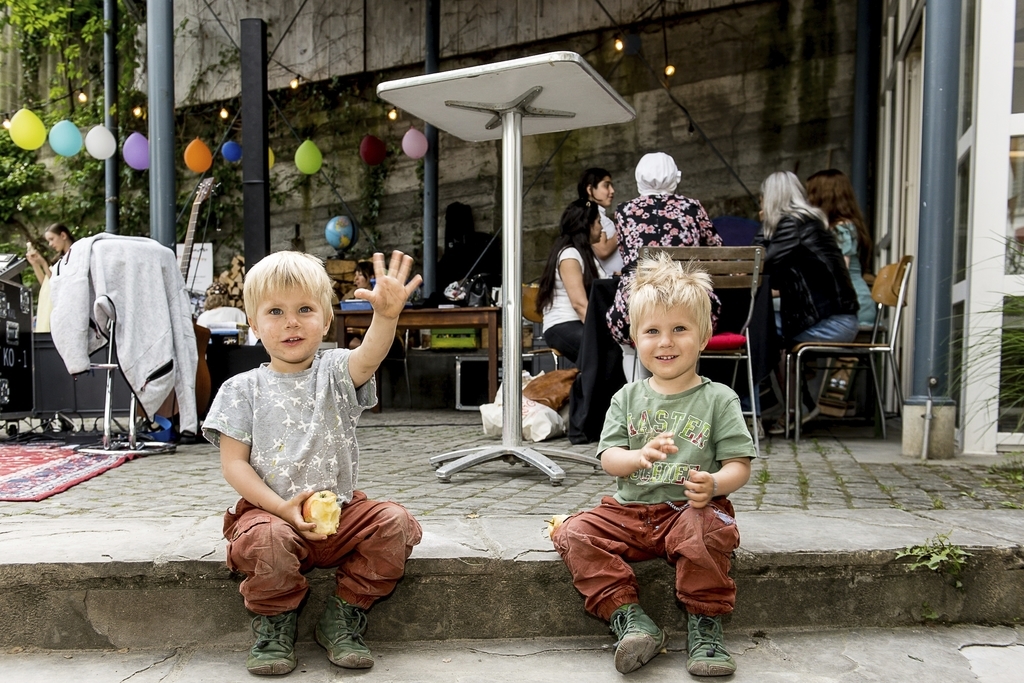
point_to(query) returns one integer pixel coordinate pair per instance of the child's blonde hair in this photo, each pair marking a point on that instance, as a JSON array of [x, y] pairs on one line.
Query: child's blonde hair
[[284, 270], [662, 282]]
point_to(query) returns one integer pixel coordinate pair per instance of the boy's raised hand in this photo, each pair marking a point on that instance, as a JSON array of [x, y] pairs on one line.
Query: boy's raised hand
[[391, 290], [658, 448]]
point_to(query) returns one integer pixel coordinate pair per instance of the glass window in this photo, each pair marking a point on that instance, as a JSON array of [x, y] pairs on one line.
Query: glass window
[[1011, 366], [1015, 209], [1018, 61], [963, 216], [967, 67]]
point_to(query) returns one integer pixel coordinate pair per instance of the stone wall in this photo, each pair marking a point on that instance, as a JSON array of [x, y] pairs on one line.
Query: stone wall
[[770, 84]]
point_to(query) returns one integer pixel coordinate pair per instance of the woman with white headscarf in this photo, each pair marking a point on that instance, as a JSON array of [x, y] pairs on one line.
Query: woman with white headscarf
[[657, 218]]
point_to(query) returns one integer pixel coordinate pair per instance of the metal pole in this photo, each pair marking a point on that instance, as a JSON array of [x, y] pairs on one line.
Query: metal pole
[[110, 166], [160, 52], [255, 171], [433, 40], [863, 105], [938, 200], [512, 267]]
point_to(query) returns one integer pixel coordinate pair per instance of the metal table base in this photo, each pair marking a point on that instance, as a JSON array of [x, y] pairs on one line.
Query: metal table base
[[539, 457]]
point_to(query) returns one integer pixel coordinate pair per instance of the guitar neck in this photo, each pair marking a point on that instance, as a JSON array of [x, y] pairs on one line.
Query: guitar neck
[[186, 253]]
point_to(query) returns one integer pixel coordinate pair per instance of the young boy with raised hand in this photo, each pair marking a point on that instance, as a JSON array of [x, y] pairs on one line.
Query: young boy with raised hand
[[677, 445], [287, 430]]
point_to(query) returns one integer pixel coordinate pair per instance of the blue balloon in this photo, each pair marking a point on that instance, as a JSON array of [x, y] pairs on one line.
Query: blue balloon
[[65, 139], [231, 150], [340, 233]]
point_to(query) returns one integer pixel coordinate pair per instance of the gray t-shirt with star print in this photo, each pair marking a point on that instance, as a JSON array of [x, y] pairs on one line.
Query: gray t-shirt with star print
[[301, 427]]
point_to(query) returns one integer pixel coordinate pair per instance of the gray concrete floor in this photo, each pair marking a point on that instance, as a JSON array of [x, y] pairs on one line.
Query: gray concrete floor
[[830, 469], [948, 655]]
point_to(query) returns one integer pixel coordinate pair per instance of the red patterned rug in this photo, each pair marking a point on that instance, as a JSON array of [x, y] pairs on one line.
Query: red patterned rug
[[29, 473]]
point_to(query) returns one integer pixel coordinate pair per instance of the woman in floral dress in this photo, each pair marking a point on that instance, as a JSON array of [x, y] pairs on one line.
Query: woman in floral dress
[[657, 218]]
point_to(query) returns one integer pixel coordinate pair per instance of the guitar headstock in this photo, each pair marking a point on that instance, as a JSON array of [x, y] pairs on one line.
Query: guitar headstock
[[204, 191]]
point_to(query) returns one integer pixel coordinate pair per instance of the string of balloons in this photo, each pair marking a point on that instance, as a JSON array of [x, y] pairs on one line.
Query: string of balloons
[[28, 132]]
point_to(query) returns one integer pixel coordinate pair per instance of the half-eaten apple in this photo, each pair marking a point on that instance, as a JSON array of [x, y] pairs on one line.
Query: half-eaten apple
[[322, 507], [554, 523]]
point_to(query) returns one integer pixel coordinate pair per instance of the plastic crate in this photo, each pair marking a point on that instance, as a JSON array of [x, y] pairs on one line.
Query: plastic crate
[[455, 338]]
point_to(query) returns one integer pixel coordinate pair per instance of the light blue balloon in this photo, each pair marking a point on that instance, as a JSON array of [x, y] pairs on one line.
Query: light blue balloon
[[65, 139]]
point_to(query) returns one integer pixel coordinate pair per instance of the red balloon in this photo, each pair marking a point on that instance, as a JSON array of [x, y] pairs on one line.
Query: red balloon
[[372, 150]]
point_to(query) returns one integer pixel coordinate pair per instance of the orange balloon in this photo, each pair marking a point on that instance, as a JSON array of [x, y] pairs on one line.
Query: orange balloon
[[198, 157]]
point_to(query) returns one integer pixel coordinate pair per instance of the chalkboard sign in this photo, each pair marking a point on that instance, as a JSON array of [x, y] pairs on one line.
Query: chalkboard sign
[[16, 386]]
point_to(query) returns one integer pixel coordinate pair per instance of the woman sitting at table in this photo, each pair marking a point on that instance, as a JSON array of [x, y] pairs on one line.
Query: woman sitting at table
[[568, 274], [657, 218], [817, 301], [832, 192]]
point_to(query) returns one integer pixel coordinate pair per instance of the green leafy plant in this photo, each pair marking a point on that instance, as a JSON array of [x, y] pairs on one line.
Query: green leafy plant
[[940, 556]]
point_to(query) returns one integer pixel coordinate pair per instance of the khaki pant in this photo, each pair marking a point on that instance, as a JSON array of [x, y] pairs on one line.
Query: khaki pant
[[373, 542], [598, 544]]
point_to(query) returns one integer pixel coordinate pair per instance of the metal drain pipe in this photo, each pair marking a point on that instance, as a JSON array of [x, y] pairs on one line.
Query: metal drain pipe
[[928, 417]]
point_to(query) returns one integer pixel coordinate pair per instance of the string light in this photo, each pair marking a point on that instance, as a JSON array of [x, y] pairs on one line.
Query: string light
[[7, 122], [393, 114], [224, 113], [82, 97], [137, 111], [619, 44], [669, 70], [294, 83]]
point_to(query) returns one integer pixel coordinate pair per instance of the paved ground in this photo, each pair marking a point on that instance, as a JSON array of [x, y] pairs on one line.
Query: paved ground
[[947, 655], [827, 470]]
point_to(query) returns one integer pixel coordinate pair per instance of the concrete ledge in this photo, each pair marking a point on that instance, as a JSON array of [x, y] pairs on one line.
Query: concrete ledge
[[84, 584]]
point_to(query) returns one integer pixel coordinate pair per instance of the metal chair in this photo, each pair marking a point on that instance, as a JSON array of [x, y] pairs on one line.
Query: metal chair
[[730, 268], [888, 291], [105, 311]]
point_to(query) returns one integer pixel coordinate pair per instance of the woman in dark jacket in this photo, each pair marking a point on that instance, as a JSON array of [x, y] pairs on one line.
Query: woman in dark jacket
[[817, 301]]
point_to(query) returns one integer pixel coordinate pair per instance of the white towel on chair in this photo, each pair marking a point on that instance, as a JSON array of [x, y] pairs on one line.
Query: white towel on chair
[[141, 279]]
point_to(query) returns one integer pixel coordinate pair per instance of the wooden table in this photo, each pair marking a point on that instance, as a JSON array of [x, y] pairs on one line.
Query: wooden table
[[434, 318]]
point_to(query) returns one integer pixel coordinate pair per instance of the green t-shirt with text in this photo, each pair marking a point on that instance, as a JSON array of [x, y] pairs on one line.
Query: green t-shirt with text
[[708, 426]]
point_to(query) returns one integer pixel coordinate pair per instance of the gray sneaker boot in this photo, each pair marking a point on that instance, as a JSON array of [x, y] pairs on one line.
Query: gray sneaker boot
[[274, 651], [639, 638], [340, 632], [707, 653]]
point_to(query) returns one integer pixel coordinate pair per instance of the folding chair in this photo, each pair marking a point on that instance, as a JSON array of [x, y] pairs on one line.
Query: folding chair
[[730, 268], [889, 291], [530, 313]]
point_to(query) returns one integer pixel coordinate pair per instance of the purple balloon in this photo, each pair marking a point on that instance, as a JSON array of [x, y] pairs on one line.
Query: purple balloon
[[136, 151]]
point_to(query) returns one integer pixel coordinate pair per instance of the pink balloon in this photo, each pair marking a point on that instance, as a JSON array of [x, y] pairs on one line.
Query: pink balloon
[[136, 151], [414, 143]]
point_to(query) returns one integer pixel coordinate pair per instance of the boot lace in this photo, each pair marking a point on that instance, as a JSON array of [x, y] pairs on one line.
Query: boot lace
[[351, 623], [270, 630], [623, 621], [707, 635]]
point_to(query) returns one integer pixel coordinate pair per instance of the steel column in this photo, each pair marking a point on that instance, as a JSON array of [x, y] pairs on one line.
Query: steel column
[[160, 40], [112, 189], [936, 234]]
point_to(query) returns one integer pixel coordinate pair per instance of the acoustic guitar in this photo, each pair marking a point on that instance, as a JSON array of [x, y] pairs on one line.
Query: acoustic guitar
[[203, 383]]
